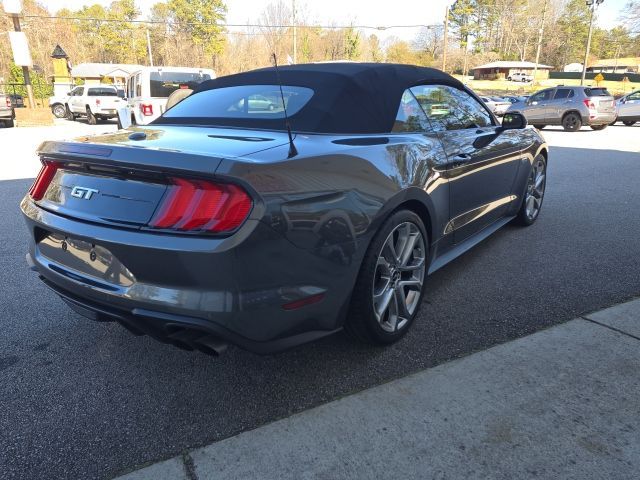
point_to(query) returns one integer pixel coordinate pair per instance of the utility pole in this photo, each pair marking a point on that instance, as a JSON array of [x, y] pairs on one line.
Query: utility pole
[[295, 34], [25, 69], [540, 34], [618, 48], [592, 4], [444, 47], [149, 49]]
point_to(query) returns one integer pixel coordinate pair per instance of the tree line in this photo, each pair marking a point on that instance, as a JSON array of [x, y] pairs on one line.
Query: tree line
[[192, 33]]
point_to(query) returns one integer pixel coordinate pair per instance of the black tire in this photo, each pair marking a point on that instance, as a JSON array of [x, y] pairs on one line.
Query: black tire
[[362, 323], [613, 123], [539, 127], [523, 217], [91, 118], [9, 123], [509, 79], [629, 123], [599, 127], [59, 111], [571, 122], [70, 116]]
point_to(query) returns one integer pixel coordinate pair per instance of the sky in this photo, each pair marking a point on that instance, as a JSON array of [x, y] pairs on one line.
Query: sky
[[344, 12]]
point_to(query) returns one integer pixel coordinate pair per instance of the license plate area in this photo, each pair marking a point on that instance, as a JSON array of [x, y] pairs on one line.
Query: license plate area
[[83, 259]]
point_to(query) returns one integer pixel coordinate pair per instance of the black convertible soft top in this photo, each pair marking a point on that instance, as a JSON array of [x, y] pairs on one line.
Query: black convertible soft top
[[348, 97]]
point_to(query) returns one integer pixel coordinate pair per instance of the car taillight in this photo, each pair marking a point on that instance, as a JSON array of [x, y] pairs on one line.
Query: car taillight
[[8, 101], [97, 101], [590, 105], [43, 180], [199, 205], [146, 109]]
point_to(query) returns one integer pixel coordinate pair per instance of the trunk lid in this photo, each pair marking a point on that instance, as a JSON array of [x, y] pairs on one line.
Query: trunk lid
[[117, 179], [103, 197]]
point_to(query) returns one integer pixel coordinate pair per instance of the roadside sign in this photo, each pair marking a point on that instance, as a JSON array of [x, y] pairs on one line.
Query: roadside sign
[[12, 7], [20, 49]]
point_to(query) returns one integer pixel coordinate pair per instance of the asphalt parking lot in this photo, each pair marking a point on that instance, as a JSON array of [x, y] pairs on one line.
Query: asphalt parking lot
[[86, 400]]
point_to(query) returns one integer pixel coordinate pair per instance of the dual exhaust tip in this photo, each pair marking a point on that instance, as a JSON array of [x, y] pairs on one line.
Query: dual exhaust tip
[[181, 336]]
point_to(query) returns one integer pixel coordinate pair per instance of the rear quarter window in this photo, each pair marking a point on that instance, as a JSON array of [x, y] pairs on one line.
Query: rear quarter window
[[596, 92], [102, 92]]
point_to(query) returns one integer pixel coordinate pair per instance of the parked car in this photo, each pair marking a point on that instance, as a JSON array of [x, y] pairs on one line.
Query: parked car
[[17, 100], [497, 105], [7, 113], [628, 109], [571, 107], [148, 89], [520, 77], [213, 226], [58, 105], [95, 102]]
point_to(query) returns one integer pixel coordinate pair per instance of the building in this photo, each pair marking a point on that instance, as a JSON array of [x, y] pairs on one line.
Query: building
[[62, 82], [504, 69], [573, 67], [115, 73], [616, 65]]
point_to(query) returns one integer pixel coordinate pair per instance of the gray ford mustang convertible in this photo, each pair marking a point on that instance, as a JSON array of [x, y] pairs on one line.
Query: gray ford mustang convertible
[[227, 222]]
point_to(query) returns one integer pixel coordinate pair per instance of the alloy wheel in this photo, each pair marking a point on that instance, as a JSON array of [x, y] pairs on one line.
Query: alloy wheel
[[535, 188], [571, 122], [399, 277], [59, 111]]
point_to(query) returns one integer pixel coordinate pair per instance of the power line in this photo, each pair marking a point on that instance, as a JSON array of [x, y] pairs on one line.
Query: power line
[[231, 25]]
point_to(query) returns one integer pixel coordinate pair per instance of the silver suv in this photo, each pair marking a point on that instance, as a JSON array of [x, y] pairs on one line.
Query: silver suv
[[571, 107]]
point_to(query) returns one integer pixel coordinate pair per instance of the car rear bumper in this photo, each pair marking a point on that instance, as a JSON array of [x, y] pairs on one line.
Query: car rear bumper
[[6, 113], [251, 289], [599, 118], [185, 332]]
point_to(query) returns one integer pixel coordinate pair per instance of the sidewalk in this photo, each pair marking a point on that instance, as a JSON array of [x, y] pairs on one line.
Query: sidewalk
[[561, 403]]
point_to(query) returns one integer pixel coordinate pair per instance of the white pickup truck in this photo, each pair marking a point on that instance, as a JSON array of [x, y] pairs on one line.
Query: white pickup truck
[[520, 77], [96, 102]]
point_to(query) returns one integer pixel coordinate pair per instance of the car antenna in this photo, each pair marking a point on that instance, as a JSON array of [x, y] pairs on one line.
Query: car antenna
[[292, 148]]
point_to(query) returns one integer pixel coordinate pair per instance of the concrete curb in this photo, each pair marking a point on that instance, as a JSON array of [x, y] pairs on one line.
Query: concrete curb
[[561, 403]]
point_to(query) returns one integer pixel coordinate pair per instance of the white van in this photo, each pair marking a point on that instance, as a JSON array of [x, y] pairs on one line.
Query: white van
[[148, 89]]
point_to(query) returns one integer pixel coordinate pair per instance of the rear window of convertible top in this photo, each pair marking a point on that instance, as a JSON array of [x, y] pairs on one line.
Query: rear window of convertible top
[[260, 102]]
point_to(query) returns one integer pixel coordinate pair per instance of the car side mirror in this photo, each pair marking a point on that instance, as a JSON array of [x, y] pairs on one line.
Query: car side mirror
[[124, 119], [513, 121]]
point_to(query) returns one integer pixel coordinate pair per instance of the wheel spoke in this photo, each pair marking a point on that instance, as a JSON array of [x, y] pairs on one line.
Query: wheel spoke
[[384, 299], [407, 250], [382, 264], [413, 266], [404, 234], [539, 180], [530, 204], [389, 251], [401, 302], [413, 282]]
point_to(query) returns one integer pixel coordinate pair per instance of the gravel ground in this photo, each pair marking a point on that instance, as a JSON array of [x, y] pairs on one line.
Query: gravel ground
[[85, 400]]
